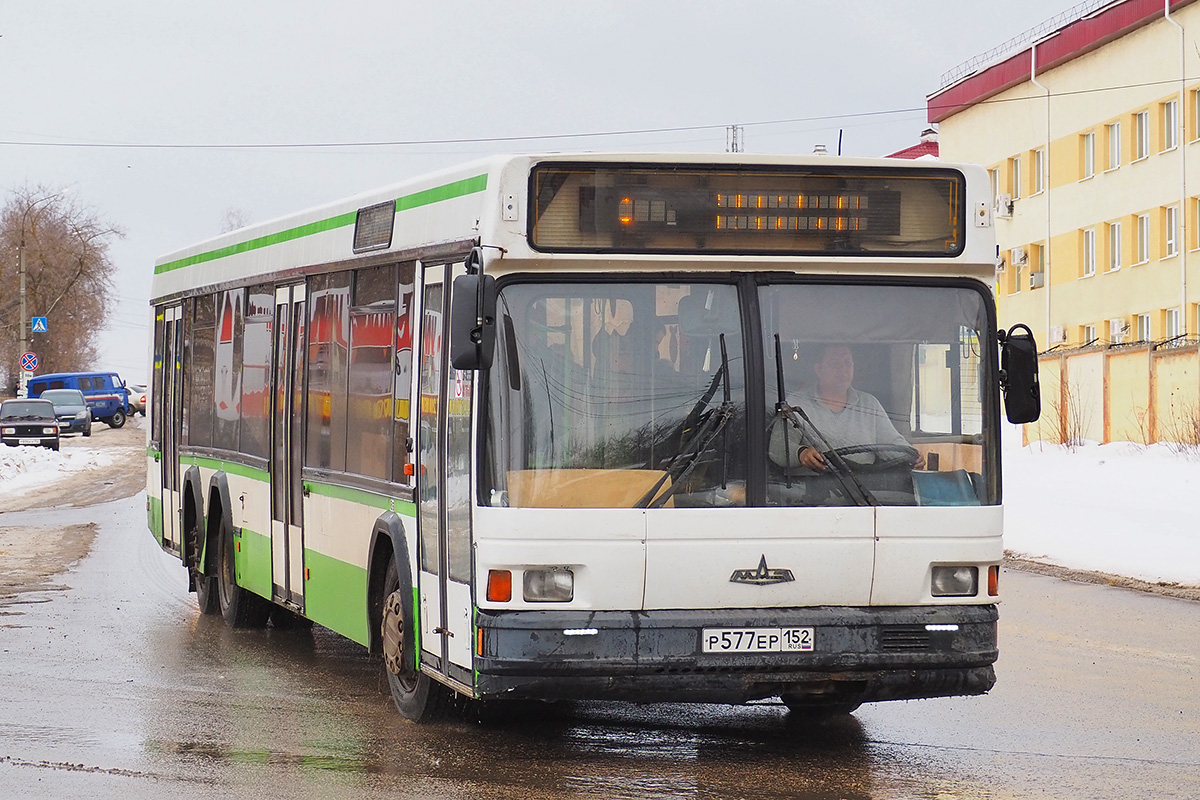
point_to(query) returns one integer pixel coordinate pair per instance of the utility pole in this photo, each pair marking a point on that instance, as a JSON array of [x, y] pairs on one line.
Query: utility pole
[[21, 373]]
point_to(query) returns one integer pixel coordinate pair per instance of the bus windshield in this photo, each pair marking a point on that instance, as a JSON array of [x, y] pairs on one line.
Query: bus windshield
[[887, 384], [635, 395], [618, 395]]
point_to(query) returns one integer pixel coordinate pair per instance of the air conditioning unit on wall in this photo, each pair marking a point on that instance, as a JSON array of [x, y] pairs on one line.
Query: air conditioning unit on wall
[[1037, 279], [1004, 205], [1020, 256], [1058, 334]]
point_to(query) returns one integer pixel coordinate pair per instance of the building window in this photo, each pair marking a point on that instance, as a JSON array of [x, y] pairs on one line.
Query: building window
[[1016, 261], [1141, 135], [1170, 231], [1114, 246], [1118, 328], [1039, 170], [1089, 252], [1014, 176], [1170, 121], [1089, 154], [1195, 98], [1143, 238], [1089, 334], [994, 177], [1113, 144], [1170, 323], [1143, 327]]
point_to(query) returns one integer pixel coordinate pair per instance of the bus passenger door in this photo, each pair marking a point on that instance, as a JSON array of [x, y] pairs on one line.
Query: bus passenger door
[[172, 414], [444, 490], [287, 425]]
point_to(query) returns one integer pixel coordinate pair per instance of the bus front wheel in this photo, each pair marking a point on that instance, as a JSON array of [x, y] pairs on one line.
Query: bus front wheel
[[417, 697], [239, 607]]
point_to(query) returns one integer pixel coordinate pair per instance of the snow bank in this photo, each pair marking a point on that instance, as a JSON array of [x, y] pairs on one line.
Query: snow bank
[[25, 468]]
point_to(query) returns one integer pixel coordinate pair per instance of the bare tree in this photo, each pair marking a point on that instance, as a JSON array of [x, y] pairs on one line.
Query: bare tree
[[68, 276], [235, 218]]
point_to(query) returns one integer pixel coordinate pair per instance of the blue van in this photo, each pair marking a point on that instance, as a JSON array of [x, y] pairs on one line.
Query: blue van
[[105, 392]]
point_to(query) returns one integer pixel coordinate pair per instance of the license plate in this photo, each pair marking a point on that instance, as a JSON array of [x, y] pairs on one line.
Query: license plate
[[756, 640], [29, 441]]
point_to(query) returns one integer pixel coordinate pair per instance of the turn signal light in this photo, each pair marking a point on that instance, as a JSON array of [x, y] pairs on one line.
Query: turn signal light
[[499, 586], [994, 581]]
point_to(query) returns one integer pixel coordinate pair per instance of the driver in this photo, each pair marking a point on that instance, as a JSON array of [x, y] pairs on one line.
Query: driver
[[844, 417]]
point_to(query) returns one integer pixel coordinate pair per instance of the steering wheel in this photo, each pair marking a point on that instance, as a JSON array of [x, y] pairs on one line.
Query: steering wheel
[[887, 456]]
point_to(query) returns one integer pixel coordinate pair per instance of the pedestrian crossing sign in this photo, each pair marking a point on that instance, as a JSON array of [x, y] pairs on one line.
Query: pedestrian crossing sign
[[40, 325]]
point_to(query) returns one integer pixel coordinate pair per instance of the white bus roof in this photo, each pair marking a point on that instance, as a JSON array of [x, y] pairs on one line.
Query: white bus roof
[[466, 203]]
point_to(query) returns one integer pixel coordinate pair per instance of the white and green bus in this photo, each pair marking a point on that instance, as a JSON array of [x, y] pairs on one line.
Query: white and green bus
[[549, 427]]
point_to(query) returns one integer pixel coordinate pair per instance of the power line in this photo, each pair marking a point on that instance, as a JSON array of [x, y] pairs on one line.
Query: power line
[[556, 136]]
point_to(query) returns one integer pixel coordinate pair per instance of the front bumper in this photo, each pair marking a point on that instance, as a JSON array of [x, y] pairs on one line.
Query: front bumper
[[72, 425], [655, 656]]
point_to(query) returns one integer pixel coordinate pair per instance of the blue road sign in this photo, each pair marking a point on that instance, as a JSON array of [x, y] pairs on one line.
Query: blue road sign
[[40, 325]]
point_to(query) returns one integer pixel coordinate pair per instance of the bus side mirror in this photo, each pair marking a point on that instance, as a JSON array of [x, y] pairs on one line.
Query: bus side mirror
[[1019, 375], [473, 322]]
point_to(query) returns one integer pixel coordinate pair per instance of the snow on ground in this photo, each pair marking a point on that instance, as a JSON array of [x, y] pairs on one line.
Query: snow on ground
[[1120, 508], [25, 468]]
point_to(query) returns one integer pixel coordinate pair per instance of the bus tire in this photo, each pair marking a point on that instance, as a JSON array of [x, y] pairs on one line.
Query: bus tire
[[117, 419], [417, 697], [239, 607], [204, 584]]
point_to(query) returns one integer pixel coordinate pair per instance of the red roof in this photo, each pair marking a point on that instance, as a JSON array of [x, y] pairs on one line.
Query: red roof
[[917, 150], [1067, 43]]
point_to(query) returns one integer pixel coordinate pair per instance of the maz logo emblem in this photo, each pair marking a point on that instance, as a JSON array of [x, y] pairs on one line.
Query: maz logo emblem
[[761, 576]]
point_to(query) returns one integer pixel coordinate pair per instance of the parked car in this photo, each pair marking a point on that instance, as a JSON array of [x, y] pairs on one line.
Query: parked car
[[28, 422], [71, 409], [137, 398], [105, 392]]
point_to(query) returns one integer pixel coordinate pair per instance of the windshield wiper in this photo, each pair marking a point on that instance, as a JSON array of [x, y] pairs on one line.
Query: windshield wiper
[[791, 416], [697, 444]]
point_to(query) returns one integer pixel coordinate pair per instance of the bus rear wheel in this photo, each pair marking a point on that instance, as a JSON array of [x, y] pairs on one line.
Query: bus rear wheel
[[205, 585], [239, 607], [417, 697]]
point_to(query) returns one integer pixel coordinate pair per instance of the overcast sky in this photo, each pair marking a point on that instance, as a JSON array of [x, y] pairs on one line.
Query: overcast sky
[[170, 76]]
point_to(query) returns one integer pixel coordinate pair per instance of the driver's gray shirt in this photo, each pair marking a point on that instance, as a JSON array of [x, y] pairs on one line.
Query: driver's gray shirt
[[861, 421]]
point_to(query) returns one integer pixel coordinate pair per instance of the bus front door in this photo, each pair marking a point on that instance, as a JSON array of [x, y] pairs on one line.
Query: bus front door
[[171, 348], [443, 491], [287, 425]]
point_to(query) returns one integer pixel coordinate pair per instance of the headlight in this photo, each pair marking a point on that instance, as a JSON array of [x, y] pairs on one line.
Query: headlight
[[82, 414], [549, 585], [955, 582], [9, 431], [50, 430]]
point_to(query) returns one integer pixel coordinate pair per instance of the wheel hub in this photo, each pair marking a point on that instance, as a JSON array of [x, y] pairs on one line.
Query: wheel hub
[[393, 633]]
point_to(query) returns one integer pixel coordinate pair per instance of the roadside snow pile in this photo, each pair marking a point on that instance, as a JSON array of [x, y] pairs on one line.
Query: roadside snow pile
[[1121, 508], [25, 468]]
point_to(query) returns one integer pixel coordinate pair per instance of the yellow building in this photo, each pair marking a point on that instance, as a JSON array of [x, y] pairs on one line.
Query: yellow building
[[1090, 128]]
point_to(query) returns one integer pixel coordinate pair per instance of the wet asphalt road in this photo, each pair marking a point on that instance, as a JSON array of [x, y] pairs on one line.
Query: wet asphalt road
[[117, 688]]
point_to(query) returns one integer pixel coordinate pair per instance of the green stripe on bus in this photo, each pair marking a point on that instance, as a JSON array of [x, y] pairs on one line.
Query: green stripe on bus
[[384, 502], [439, 193], [299, 232], [335, 595], [154, 518], [253, 562], [231, 467], [423, 198]]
